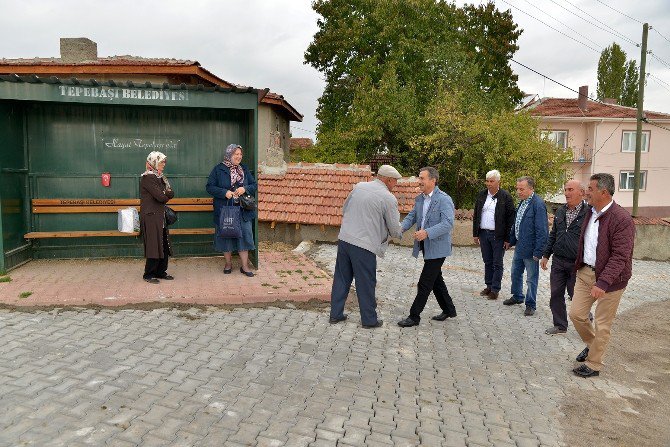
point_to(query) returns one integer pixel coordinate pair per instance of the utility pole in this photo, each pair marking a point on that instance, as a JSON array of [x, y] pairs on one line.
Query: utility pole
[[640, 116]]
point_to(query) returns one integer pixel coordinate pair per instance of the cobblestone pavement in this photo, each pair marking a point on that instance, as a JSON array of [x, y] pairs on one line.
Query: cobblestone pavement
[[270, 376]]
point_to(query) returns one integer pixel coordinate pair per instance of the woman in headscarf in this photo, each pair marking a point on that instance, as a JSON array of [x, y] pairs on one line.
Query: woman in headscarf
[[226, 183], [155, 191]]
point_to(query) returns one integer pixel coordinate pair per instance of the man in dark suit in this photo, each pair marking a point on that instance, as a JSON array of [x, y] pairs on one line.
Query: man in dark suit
[[529, 235], [491, 226], [562, 243]]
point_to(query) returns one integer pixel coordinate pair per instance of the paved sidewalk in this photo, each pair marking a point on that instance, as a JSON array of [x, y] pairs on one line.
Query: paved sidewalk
[[116, 282], [274, 376]]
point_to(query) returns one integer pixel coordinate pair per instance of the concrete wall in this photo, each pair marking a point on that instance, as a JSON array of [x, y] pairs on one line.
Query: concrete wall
[[270, 122], [289, 234], [652, 242]]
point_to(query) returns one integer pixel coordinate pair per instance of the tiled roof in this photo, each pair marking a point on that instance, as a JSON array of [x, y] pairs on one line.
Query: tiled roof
[[111, 60], [314, 194], [115, 65], [563, 107], [651, 221], [300, 143]]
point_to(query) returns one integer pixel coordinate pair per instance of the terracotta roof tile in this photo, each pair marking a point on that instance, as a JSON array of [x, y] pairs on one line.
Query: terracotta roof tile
[[565, 107]]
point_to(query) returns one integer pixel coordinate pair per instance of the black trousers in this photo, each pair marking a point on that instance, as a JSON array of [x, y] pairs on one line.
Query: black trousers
[[562, 277], [157, 267], [431, 281]]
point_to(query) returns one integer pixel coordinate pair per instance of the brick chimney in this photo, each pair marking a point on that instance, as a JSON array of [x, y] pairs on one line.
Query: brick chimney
[[583, 96], [78, 49]]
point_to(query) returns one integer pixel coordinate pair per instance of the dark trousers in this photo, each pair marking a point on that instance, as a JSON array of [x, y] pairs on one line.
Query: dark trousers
[[562, 276], [157, 267], [493, 251], [431, 281], [354, 263]]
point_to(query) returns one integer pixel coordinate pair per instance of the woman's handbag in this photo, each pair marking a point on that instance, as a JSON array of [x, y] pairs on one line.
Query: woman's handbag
[[230, 222], [170, 216], [248, 202]]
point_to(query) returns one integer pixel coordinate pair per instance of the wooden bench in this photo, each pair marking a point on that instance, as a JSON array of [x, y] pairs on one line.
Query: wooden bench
[[68, 206]]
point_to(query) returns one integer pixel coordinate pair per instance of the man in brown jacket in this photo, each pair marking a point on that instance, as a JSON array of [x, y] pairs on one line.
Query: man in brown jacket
[[604, 266]]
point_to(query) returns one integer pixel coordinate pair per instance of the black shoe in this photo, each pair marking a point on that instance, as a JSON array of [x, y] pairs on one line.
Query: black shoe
[[585, 371], [228, 271], [510, 301], [337, 320], [441, 317], [151, 280], [407, 322], [166, 277], [379, 323], [529, 311], [582, 355], [249, 274]]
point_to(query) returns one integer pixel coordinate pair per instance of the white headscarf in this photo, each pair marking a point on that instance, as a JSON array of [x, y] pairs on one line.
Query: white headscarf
[[153, 160]]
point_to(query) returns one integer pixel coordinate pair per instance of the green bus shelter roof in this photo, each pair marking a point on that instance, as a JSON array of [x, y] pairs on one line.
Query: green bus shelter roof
[[73, 90]]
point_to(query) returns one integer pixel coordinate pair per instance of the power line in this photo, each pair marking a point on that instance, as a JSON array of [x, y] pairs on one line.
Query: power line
[[564, 24], [660, 82], [660, 60], [610, 30], [555, 29], [306, 130], [616, 10], [659, 33]]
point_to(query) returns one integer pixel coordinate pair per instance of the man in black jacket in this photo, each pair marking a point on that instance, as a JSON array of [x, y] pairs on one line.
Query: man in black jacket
[[491, 226], [563, 243]]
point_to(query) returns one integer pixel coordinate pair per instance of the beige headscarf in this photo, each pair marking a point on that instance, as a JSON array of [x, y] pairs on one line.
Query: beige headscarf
[[153, 160]]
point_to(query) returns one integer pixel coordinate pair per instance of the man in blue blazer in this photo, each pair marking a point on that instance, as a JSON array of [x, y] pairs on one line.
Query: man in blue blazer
[[433, 215], [529, 236]]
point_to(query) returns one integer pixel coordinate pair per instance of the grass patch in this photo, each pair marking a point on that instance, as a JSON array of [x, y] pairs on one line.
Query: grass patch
[[5, 279], [23, 295]]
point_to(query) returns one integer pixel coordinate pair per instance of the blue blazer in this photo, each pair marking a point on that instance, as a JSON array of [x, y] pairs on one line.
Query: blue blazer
[[439, 224], [533, 230], [218, 183]]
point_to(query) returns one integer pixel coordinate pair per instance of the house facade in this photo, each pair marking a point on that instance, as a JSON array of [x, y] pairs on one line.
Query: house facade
[[79, 59], [602, 139]]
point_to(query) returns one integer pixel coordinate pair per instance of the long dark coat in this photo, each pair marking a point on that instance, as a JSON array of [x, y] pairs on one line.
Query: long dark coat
[[153, 196], [218, 183]]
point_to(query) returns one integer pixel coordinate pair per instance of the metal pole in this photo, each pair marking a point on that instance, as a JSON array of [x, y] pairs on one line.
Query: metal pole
[[640, 116]]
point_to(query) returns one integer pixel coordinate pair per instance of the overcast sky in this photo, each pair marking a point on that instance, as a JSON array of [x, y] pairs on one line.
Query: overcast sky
[[261, 42]]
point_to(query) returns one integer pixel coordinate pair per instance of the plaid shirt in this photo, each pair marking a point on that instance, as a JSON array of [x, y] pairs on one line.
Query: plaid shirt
[[519, 214], [572, 213]]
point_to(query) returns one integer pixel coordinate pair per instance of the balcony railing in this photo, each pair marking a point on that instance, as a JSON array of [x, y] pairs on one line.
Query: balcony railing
[[582, 154]]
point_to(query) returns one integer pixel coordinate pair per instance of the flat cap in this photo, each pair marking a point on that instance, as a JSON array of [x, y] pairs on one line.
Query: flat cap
[[388, 171]]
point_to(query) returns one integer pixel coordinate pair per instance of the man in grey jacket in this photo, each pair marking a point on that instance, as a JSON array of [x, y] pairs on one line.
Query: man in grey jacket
[[370, 218]]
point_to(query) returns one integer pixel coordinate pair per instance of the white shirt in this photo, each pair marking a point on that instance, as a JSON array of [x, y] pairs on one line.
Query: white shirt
[[591, 236], [488, 221], [426, 204]]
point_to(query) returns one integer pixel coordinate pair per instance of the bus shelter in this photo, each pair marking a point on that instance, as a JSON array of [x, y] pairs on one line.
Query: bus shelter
[[72, 151]]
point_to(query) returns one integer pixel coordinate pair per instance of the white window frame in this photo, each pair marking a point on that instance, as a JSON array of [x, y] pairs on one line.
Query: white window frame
[[630, 178], [552, 135], [629, 136]]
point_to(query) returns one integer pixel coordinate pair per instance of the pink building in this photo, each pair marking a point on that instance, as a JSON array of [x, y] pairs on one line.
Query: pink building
[[602, 139]]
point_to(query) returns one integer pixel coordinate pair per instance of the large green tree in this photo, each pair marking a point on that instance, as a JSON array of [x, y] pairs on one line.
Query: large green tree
[[467, 137], [617, 79], [383, 60]]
